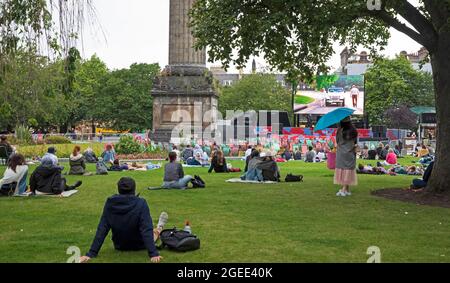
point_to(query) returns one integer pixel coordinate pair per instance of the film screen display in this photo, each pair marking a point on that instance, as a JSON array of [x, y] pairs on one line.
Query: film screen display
[[329, 92]]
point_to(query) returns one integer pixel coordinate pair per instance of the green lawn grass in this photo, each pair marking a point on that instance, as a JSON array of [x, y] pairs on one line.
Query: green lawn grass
[[301, 99], [286, 222]]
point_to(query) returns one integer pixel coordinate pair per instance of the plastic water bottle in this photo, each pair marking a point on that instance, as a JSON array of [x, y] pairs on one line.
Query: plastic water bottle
[[187, 227]]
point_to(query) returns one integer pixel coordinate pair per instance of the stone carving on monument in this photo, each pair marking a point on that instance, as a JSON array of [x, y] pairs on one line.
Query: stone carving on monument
[[185, 87]]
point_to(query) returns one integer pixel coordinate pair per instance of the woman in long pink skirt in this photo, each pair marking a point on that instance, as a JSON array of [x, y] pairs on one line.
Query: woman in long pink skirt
[[345, 172]]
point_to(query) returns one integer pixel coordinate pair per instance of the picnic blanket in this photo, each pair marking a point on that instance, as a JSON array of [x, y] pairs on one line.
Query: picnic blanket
[[238, 180], [63, 195], [195, 166]]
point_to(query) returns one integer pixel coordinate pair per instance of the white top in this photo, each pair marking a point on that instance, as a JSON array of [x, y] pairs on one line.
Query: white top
[[354, 91], [10, 176], [248, 152]]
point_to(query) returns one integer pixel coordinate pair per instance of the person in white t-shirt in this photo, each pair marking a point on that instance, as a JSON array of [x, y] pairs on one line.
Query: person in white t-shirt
[[354, 92]]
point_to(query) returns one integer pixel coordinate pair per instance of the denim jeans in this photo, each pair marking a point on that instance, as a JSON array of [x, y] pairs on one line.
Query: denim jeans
[[23, 184], [419, 184], [180, 184]]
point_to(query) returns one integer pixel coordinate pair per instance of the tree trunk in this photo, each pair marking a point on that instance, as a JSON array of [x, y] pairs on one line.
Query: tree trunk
[[440, 59]]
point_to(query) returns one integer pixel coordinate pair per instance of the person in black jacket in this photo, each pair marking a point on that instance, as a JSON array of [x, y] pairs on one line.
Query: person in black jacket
[[269, 167], [47, 178], [128, 217], [420, 184], [218, 163]]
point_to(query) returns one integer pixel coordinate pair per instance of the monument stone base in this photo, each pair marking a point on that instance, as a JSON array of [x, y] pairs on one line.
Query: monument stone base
[[182, 94]]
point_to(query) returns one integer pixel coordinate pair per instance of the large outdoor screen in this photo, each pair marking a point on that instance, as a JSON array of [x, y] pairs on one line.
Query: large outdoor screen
[[329, 92]]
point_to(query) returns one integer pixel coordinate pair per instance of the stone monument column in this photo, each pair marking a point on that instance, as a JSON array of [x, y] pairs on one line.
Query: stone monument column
[[184, 92], [180, 37]]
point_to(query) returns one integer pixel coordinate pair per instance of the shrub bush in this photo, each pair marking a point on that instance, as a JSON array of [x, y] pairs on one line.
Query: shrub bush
[[23, 135], [62, 150], [57, 140], [127, 145]]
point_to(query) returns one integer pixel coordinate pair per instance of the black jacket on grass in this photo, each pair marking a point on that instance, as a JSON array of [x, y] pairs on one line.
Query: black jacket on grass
[[128, 216], [47, 179]]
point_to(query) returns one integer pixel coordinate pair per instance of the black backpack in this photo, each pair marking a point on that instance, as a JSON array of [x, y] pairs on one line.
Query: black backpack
[[179, 240], [294, 178], [198, 182], [8, 190]]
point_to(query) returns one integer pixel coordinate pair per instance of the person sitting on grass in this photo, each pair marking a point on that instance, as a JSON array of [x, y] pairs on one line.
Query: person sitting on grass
[[15, 175], [372, 153], [90, 156], [47, 178], [287, 155], [423, 152], [109, 155], [218, 163], [298, 154], [419, 184], [129, 219], [188, 152], [391, 158], [253, 172], [118, 167], [77, 162], [310, 155], [174, 177], [255, 153], [269, 167], [4, 142], [50, 155]]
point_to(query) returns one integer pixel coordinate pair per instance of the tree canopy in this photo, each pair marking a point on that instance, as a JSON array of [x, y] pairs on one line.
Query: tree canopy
[[297, 36], [255, 92], [395, 83]]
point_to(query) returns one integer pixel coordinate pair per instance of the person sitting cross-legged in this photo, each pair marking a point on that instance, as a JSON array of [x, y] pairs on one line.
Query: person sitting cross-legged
[[128, 217], [174, 177]]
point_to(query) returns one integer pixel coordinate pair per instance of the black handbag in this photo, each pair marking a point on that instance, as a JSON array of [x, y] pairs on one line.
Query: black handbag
[[294, 178]]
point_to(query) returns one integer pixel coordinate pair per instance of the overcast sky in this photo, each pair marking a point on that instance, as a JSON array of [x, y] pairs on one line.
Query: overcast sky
[[138, 31]]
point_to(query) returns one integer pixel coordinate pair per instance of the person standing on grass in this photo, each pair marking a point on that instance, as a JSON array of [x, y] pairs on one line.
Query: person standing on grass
[[345, 172], [129, 219]]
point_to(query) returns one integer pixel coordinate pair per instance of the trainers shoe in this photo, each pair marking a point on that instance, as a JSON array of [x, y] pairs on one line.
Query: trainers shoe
[[77, 184], [341, 194], [163, 220], [348, 194]]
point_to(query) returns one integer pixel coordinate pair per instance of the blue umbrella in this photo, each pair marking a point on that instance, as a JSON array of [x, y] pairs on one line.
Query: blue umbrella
[[333, 118]]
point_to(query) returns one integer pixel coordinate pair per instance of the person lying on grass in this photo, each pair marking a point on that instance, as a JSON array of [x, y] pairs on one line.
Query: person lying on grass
[[128, 217], [118, 167]]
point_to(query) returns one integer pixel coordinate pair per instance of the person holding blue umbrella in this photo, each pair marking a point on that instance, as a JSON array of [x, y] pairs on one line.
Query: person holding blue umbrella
[[346, 138], [345, 172]]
